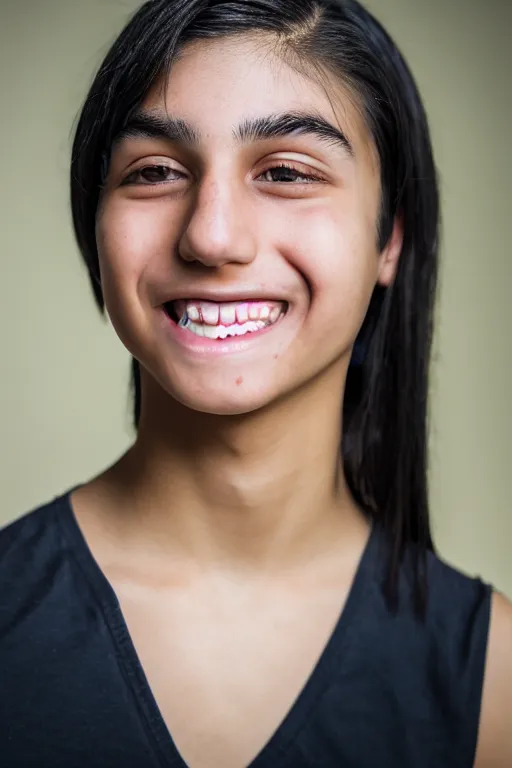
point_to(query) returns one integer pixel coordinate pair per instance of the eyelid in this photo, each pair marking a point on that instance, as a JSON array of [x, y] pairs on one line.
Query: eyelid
[[300, 162], [305, 171], [152, 161], [298, 158], [290, 156]]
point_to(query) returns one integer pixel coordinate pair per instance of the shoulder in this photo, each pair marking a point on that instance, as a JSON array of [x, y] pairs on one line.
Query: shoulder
[[30, 527], [476, 628], [452, 631], [458, 606], [458, 602], [28, 545], [445, 580], [495, 738]]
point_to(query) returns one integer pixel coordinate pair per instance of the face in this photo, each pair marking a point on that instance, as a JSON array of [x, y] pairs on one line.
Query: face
[[238, 256]]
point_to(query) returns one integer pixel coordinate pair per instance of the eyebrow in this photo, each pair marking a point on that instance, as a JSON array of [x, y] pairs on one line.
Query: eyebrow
[[152, 125]]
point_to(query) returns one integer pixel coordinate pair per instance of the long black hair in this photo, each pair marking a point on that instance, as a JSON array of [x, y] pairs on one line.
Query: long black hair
[[384, 443]]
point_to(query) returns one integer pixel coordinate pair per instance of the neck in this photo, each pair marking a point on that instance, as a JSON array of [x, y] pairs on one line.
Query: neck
[[261, 489]]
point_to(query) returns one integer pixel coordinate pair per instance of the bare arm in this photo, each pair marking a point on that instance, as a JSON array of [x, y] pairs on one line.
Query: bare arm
[[495, 737]]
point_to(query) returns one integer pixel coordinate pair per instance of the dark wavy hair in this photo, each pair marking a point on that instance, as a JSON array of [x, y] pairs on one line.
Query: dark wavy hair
[[384, 444]]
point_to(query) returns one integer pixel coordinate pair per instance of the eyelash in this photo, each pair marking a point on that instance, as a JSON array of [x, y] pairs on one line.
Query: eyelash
[[133, 177]]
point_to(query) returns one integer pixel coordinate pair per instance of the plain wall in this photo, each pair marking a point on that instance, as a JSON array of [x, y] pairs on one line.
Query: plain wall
[[64, 387]]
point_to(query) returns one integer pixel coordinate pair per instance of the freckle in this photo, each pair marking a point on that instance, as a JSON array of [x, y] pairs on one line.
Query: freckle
[[275, 357], [239, 381]]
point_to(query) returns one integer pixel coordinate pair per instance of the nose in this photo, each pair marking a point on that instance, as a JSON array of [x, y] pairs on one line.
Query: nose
[[219, 230]]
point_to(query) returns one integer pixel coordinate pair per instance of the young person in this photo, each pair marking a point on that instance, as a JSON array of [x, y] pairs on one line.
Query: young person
[[254, 583]]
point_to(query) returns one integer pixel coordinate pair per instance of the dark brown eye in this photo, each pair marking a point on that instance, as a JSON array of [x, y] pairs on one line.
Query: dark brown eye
[[151, 174], [284, 173]]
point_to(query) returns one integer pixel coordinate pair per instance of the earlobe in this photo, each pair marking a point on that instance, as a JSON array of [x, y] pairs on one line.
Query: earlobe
[[390, 256]]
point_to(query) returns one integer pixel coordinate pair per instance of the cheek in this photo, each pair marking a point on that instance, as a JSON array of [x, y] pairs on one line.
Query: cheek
[[129, 237], [126, 236], [336, 252], [126, 242]]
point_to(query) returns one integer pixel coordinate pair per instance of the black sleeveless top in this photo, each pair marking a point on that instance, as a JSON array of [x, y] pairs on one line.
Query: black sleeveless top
[[388, 691]]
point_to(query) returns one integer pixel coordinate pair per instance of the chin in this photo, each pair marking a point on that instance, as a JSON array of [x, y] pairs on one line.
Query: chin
[[219, 405], [222, 402]]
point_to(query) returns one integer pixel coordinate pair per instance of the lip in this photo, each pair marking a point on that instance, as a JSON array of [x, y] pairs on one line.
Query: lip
[[222, 296], [189, 341]]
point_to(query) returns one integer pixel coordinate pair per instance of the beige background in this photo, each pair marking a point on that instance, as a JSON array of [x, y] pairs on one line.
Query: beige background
[[63, 391]]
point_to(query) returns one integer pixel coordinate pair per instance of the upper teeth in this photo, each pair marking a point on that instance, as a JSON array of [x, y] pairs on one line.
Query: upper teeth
[[228, 314]]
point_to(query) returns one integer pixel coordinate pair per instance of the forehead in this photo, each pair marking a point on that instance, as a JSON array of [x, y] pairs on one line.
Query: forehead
[[214, 84]]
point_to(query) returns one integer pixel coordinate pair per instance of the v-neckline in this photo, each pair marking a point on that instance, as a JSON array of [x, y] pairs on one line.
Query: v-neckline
[[282, 739]]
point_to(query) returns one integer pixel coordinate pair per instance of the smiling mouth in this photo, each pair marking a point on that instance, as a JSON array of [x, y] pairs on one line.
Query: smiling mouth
[[221, 320]]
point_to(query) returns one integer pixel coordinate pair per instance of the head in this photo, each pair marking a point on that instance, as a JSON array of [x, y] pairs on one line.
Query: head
[[270, 156]]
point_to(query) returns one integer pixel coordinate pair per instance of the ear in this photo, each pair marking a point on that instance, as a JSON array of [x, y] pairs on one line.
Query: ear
[[390, 256]]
